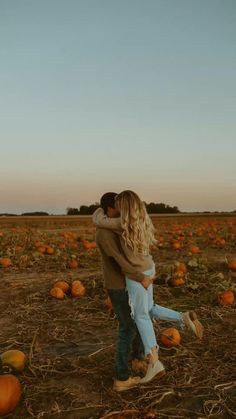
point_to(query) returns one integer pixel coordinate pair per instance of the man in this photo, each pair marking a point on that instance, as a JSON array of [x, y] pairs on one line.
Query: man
[[129, 344]]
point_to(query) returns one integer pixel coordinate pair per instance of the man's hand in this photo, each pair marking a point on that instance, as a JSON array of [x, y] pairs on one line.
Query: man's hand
[[147, 281]]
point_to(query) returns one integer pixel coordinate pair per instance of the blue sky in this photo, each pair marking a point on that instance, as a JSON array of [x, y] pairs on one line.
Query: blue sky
[[107, 95]]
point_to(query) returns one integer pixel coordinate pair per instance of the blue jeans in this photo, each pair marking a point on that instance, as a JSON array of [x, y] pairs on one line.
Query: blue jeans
[[143, 310], [129, 343]]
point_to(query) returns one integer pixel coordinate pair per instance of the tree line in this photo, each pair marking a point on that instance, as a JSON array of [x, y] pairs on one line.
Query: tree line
[[152, 208]]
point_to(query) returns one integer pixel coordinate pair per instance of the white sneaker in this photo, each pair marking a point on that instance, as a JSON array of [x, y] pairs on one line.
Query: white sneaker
[[191, 321], [153, 370]]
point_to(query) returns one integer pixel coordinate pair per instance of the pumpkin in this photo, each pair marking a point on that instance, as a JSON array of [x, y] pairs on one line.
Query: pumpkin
[[5, 262], [176, 245], [220, 242], [181, 267], [170, 337], [41, 249], [18, 248], [10, 393], [232, 265], [38, 243], [72, 264], [49, 250], [89, 245], [57, 293], [194, 249], [226, 298], [14, 358], [63, 285], [176, 281], [77, 289]]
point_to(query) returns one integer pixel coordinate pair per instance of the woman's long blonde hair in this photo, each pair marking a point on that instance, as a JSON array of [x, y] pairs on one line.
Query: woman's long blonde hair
[[138, 230]]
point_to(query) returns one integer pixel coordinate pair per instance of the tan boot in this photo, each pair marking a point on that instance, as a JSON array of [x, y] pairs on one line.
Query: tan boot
[[127, 384], [191, 321]]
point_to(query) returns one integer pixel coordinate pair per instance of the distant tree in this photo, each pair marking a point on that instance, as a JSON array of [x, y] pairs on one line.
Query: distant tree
[[152, 208], [38, 213], [88, 210], [6, 214], [72, 211], [161, 208]]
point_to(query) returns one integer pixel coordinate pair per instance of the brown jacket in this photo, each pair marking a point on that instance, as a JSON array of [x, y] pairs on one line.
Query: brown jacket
[[116, 264]]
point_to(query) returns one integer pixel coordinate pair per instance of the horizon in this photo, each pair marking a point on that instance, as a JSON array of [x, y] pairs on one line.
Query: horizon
[[47, 213], [105, 96]]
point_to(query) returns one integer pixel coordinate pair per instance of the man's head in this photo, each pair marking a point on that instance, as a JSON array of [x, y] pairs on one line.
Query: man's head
[[107, 202]]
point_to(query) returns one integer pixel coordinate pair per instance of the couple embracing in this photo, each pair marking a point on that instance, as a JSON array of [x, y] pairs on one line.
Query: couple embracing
[[124, 236]]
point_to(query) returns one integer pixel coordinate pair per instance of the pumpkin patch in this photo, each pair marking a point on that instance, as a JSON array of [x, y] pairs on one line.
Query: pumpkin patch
[[54, 307]]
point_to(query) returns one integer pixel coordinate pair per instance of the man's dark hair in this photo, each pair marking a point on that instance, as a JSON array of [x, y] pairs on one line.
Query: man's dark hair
[[108, 200]]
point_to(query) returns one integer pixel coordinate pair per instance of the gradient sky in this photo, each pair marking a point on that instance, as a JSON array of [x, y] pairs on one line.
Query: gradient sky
[[107, 95]]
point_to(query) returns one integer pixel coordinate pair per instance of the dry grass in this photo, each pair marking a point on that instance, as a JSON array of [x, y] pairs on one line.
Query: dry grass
[[70, 344]]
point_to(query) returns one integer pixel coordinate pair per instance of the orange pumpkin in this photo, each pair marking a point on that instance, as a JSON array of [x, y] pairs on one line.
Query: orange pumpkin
[[77, 289], [176, 281], [57, 293], [176, 245], [49, 250], [181, 267], [41, 249], [220, 242], [63, 285], [5, 262], [72, 264], [18, 248], [10, 393], [170, 337], [226, 298], [232, 265], [194, 249], [14, 358], [89, 245], [38, 243]]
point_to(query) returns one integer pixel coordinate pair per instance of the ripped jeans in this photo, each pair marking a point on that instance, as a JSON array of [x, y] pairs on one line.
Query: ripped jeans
[[129, 343], [143, 310]]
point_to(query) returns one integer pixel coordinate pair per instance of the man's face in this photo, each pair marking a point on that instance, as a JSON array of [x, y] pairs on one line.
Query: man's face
[[112, 212]]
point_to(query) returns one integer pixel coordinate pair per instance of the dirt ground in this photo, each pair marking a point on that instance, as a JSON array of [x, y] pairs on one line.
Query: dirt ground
[[70, 344]]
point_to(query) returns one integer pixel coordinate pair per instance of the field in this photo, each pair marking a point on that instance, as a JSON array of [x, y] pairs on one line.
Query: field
[[70, 343]]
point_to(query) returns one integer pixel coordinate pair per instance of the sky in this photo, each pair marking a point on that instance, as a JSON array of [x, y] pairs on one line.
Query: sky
[[107, 95]]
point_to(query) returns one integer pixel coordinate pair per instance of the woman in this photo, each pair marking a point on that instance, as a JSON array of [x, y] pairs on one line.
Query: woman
[[137, 236]]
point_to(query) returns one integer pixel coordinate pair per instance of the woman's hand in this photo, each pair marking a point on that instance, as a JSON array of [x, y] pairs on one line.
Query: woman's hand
[[147, 280]]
